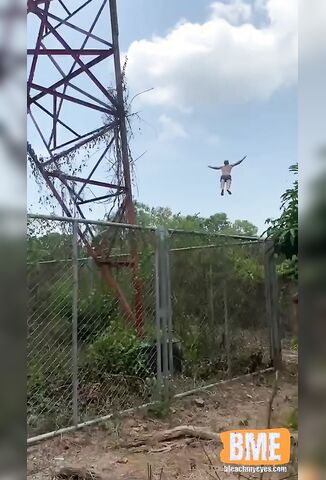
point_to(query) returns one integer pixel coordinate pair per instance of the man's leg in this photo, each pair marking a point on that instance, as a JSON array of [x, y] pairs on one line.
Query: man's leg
[[228, 186], [222, 186]]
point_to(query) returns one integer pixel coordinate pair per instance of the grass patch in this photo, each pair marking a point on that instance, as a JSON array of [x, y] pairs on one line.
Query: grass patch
[[294, 344], [292, 420]]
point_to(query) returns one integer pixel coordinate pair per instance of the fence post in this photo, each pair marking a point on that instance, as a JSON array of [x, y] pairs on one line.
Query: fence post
[[169, 302], [163, 310], [75, 323], [211, 314], [158, 315], [227, 330], [271, 294]]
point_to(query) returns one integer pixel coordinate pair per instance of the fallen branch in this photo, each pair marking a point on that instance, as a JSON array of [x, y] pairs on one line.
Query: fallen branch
[[135, 444], [185, 431], [165, 449], [182, 431]]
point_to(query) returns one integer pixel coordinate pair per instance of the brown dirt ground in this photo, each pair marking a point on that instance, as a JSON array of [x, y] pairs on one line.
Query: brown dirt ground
[[104, 448]]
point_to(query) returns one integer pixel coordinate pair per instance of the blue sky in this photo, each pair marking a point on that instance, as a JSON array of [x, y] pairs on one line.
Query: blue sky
[[224, 80]]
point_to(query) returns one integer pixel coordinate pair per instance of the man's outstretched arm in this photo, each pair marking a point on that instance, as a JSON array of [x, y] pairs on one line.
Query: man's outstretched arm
[[215, 168], [240, 161]]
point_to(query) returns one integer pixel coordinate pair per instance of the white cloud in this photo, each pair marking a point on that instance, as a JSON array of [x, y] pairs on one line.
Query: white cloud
[[235, 13], [170, 129], [228, 58]]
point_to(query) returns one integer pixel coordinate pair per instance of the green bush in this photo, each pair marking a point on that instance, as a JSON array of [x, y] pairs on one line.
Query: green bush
[[95, 311], [94, 315], [294, 344], [118, 351]]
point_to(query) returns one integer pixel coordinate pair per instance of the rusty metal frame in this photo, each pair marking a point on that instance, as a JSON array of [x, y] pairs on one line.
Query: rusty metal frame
[[49, 99]]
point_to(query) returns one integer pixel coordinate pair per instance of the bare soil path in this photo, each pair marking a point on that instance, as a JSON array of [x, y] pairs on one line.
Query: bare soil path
[[114, 450]]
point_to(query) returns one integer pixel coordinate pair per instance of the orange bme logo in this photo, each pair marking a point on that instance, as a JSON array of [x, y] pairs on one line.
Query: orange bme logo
[[256, 447]]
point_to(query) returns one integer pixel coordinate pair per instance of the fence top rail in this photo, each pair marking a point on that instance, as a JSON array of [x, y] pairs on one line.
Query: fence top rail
[[123, 255], [37, 216]]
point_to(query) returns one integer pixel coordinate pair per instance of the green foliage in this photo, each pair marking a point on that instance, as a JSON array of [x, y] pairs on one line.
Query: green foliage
[[246, 266], [95, 312], [160, 409], [216, 223], [294, 344], [118, 351], [243, 227], [49, 246], [284, 230], [110, 354], [288, 268]]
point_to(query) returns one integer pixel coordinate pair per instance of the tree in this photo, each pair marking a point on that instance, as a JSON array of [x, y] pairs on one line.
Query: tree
[[284, 229], [218, 222], [243, 227]]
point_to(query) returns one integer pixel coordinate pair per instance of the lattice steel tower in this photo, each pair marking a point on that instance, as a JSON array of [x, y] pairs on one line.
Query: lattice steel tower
[[77, 113]]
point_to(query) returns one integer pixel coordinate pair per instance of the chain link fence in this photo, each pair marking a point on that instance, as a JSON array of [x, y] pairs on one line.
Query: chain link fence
[[204, 303], [49, 350], [219, 308], [287, 291], [84, 356]]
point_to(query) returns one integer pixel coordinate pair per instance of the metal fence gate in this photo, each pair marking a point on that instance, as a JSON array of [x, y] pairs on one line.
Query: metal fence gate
[[210, 314]]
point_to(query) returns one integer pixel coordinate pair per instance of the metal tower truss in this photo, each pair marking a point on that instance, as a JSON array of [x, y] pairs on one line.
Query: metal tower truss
[[77, 116]]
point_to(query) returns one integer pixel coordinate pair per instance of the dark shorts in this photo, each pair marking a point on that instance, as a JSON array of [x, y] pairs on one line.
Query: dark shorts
[[226, 177]]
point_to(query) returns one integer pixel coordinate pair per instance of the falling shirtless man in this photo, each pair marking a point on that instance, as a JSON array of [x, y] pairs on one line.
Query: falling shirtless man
[[226, 178]]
